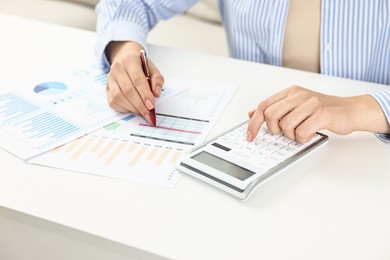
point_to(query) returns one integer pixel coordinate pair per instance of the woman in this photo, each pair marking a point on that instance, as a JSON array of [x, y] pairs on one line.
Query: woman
[[349, 38]]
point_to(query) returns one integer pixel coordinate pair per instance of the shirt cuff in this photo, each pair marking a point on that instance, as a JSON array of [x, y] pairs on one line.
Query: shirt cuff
[[118, 31], [384, 137], [383, 99]]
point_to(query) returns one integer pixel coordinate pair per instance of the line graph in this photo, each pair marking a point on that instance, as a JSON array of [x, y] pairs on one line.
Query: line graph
[[182, 130], [171, 129]]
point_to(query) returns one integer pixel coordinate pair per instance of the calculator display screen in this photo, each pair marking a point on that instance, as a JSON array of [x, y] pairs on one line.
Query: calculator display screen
[[222, 165]]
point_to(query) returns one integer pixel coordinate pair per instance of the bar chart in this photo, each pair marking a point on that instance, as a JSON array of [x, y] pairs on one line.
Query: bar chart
[[49, 113], [31, 124], [132, 149], [123, 159], [12, 107]]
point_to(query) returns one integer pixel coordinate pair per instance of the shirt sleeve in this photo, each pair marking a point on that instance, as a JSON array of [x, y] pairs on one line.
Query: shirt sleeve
[[383, 98], [131, 20]]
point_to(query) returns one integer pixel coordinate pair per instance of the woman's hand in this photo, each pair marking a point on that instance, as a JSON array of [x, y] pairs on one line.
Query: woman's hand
[[299, 113], [127, 88]]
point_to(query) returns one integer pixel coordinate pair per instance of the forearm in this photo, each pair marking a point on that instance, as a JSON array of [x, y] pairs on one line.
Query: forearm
[[131, 20]]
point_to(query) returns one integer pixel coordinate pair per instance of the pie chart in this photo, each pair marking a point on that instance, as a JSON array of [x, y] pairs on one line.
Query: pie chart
[[50, 88]]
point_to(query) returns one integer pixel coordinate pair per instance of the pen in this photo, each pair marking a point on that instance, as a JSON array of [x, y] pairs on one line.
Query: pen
[[145, 68]]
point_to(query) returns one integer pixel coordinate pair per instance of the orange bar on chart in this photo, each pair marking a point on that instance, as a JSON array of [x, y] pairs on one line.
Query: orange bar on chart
[[152, 153], [97, 146], [131, 148], [175, 156], [106, 149], [82, 149], [115, 154], [138, 156], [57, 149], [162, 157], [73, 144]]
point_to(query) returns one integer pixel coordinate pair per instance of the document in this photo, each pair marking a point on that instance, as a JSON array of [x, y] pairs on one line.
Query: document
[[132, 149], [48, 113]]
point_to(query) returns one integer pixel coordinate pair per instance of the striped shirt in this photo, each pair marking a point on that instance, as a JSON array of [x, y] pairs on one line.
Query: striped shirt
[[355, 34]]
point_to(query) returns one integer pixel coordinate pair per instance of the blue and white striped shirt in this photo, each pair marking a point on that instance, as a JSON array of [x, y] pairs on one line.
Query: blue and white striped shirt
[[355, 34]]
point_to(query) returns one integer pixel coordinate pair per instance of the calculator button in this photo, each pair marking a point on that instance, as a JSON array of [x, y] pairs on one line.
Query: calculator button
[[220, 146], [224, 139], [278, 156], [248, 149], [289, 149], [295, 144], [283, 139], [276, 145], [264, 164], [266, 150], [237, 144], [256, 146]]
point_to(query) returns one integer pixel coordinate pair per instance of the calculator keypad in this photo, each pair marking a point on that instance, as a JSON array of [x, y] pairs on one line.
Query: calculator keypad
[[266, 150]]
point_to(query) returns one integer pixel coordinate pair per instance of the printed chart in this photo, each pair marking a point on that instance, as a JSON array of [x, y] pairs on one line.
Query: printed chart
[[122, 159], [181, 130], [50, 113], [50, 88], [132, 149], [114, 152]]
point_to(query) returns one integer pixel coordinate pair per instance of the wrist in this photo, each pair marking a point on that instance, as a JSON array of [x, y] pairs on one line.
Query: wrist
[[117, 50], [367, 115]]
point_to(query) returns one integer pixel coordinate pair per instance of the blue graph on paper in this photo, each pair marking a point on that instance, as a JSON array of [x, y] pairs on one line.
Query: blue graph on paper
[[50, 113], [13, 106], [46, 124]]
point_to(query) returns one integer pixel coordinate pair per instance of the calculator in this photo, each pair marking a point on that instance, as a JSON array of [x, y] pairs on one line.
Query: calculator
[[231, 163]]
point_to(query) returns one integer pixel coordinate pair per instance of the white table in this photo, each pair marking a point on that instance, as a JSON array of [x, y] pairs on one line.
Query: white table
[[335, 204]]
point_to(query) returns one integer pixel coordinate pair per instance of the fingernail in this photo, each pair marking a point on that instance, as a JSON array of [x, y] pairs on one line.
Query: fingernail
[[158, 90], [149, 104], [147, 118], [248, 136]]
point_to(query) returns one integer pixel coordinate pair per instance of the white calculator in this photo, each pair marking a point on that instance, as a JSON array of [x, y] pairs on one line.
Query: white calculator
[[237, 166]]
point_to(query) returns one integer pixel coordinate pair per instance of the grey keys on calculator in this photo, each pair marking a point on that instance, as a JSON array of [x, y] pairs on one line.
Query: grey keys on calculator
[[266, 150], [234, 165]]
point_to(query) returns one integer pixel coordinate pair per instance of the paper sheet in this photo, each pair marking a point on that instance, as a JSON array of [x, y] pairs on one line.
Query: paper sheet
[[131, 149], [48, 113]]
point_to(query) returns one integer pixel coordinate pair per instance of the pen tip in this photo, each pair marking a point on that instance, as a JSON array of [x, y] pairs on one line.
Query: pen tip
[[153, 117]]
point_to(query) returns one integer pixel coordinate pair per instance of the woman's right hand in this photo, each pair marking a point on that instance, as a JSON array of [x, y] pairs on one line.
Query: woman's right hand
[[127, 88]]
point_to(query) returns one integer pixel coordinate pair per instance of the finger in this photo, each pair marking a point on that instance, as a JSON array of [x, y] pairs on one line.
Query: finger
[[115, 95], [156, 78], [277, 111], [140, 93], [308, 128], [113, 104], [289, 99], [257, 116], [272, 124], [250, 113], [257, 119], [294, 118]]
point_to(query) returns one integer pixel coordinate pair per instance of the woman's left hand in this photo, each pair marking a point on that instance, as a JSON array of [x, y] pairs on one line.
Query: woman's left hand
[[299, 113]]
